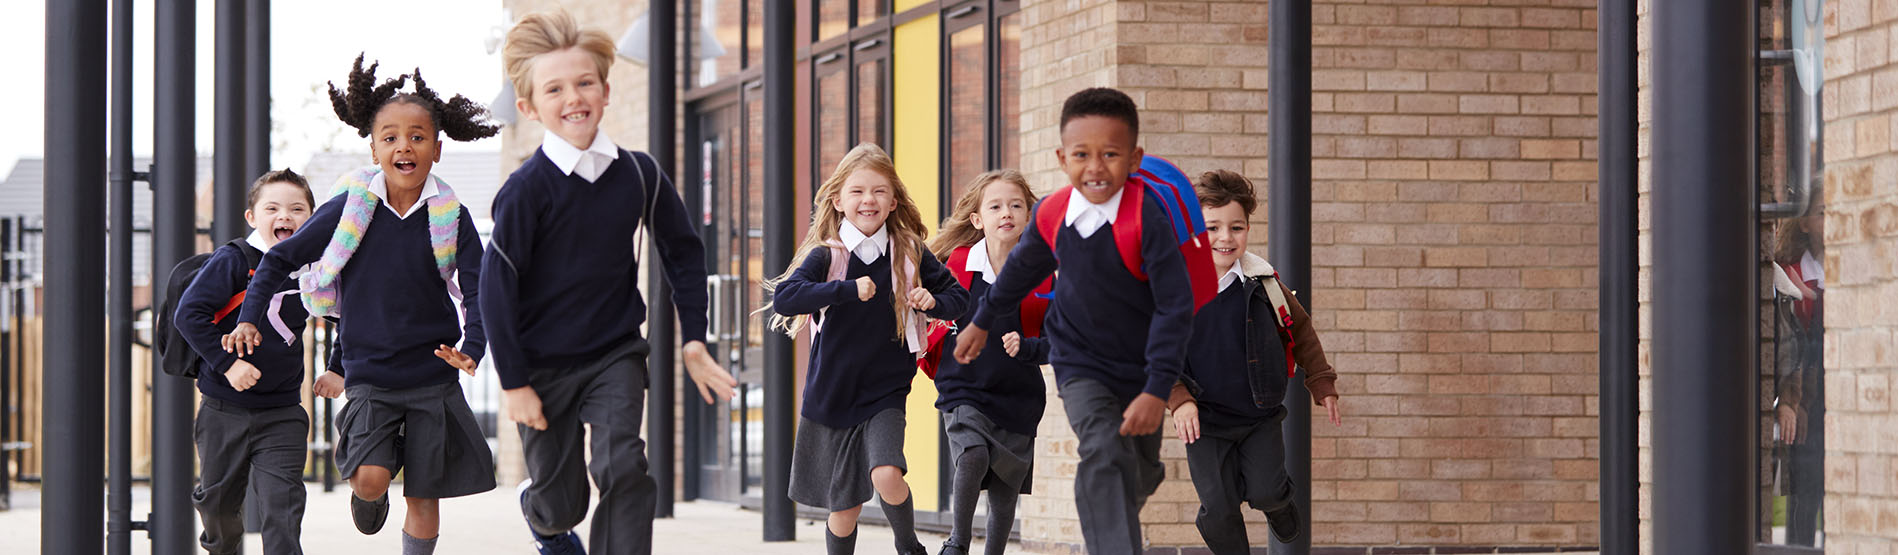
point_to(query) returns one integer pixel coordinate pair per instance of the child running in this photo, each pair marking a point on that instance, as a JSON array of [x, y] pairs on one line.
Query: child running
[[562, 300], [862, 260], [992, 405], [1116, 340], [394, 249], [251, 426], [1237, 368]]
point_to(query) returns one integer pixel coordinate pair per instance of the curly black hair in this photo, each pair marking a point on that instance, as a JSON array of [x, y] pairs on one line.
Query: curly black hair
[[462, 119], [1104, 102]]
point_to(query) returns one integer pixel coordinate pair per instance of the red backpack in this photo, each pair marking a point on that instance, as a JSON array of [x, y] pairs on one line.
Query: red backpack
[[1033, 309], [1170, 189]]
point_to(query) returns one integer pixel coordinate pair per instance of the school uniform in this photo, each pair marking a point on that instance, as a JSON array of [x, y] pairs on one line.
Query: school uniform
[[1112, 337], [562, 303], [1236, 371], [860, 369], [990, 410], [406, 408], [245, 438]]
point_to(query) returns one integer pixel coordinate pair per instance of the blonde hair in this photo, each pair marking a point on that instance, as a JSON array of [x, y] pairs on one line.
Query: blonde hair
[[905, 225], [550, 31], [957, 230]]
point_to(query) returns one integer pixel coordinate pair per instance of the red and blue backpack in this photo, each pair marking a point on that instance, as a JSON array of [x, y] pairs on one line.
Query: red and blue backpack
[[1172, 191]]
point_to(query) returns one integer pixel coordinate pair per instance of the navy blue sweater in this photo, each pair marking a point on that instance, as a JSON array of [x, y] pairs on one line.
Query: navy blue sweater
[[859, 365], [1216, 359], [561, 285], [395, 307], [1104, 324], [225, 275], [1006, 389]]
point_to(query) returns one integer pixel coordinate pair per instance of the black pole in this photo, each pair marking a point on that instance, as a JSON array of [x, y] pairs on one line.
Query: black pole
[[1704, 277], [1289, 204], [174, 238], [7, 367], [779, 191], [1620, 324], [119, 501], [75, 204], [229, 177], [663, 398], [256, 89]]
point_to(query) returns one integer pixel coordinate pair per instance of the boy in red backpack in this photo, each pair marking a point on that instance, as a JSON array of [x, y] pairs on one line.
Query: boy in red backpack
[[1117, 340]]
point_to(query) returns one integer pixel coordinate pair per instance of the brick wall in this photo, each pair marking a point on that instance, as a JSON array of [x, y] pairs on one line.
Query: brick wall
[[1861, 261]]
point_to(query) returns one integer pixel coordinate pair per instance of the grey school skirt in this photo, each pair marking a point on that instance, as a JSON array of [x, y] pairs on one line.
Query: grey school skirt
[[830, 467], [428, 431], [1011, 455]]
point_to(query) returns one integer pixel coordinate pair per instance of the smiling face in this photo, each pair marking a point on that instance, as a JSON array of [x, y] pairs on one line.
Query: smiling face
[[1228, 229], [404, 142], [1002, 213], [568, 96], [280, 210], [1098, 153], [866, 199]]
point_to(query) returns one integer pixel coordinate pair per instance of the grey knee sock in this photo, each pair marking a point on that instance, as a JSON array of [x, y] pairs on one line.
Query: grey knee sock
[[1002, 500], [412, 545], [903, 522], [971, 467], [834, 545]]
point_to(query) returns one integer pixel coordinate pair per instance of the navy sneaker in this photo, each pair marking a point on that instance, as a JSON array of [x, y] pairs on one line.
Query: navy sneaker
[[565, 543], [369, 515]]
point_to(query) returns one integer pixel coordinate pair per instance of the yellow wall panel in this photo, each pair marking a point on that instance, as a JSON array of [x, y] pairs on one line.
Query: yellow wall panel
[[916, 52]]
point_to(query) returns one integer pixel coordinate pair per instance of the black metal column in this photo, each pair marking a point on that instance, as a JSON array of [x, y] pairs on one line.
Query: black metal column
[[119, 500], [1289, 219], [1704, 277], [1619, 279], [779, 233], [663, 397], [75, 204], [229, 179], [256, 90], [174, 227]]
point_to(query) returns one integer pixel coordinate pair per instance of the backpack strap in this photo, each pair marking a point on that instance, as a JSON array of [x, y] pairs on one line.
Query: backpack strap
[[252, 257], [1127, 230], [958, 264], [1048, 218], [1283, 311], [839, 264], [642, 162]]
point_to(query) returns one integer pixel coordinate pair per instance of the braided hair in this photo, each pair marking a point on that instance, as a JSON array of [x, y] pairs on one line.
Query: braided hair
[[357, 104]]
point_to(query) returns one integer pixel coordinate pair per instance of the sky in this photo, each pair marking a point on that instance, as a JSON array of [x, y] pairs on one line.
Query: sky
[[311, 43]]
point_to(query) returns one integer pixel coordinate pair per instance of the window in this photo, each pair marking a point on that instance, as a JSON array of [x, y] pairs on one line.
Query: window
[[967, 108], [833, 114], [833, 18], [719, 50], [1009, 128]]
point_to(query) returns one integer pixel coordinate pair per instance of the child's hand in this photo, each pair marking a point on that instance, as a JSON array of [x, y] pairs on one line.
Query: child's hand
[[921, 299], [1143, 416], [1788, 424], [328, 386], [242, 375], [1011, 343], [242, 339], [1186, 421], [523, 406], [969, 343], [456, 359], [715, 384], [1331, 405], [866, 288]]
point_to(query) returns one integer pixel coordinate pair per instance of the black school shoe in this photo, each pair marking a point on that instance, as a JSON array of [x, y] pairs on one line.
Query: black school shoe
[[1284, 523], [949, 548], [369, 515]]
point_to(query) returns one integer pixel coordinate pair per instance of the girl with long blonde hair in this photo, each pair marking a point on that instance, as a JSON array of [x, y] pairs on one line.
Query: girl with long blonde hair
[[862, 282]]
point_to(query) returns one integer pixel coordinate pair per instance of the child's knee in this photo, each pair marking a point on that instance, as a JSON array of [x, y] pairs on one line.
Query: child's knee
[[887, 477], [370, 482], [842, 523]]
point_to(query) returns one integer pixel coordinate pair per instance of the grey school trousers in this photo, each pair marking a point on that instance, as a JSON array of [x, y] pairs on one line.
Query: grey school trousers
[[1116, 473], [1231, 465], [236, 447], [608, 395]]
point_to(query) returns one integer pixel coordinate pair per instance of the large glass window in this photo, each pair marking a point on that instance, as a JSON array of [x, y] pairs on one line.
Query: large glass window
[[868, 11], [720, 29], [967, 108], [833, 115], [1009, 130], [833, 18], [872, 82]]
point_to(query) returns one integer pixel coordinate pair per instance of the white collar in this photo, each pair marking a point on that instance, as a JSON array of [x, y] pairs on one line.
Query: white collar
[[853, 237], [379, 185], [256, 239], [1231, 276], [1109, 210], [567, 157], [978, 261], [1812, 269]]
